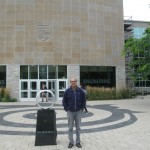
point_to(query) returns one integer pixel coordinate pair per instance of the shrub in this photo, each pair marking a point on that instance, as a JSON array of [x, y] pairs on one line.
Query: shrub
[[100, 93], [5, 96], [13, 100], [1, 93]]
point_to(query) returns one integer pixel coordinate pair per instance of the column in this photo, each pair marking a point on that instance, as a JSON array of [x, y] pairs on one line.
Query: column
[[12, 80], [120, 77]]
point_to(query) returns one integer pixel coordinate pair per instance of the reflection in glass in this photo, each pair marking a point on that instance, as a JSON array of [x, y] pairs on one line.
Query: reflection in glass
[[33, 85], [24, 85], [2, 76], [24, 94], [33, 94], [148, 84], [98, 76], [43, 72], [62, 85], [50, 95], [23, 72], [33, 72], [43, 82], [52, 72], [62, 72], [138, 32], [51, 85], [61, 93]]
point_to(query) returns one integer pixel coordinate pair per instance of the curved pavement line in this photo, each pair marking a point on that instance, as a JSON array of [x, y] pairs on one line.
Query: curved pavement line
[[119, 118], [126, 118], [20, 119]]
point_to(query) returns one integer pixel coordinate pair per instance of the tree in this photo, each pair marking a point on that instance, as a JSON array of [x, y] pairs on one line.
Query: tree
[[138, 53]]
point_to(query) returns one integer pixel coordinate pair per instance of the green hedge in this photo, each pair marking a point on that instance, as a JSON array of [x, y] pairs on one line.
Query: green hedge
[[5, 96], [97, 93]]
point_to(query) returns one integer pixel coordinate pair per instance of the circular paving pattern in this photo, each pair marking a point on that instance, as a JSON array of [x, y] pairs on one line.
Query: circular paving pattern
[[21, 119]]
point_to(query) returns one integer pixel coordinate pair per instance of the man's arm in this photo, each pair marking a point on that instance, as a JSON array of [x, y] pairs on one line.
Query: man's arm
[[64, 101], [83, 99]]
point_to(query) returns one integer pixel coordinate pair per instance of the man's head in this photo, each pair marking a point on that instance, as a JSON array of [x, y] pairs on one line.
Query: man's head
[[73, 82]]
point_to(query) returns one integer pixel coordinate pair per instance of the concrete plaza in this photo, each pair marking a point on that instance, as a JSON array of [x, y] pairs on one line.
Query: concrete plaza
[[110, 125]]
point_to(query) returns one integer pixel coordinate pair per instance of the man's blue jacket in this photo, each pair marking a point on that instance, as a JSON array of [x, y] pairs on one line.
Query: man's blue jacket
[[74, 100]]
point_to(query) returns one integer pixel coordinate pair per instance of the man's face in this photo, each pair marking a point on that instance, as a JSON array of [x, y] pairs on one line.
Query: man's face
[[73, 82]]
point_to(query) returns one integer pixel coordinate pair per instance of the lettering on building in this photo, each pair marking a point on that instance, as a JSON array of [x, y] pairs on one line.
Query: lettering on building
[[96, 81]]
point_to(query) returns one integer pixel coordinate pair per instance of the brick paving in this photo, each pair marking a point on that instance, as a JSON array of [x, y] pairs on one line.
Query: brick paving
[[110, 125]]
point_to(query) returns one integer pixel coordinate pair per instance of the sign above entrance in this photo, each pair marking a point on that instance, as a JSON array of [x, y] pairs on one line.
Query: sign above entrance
[[45, 99]]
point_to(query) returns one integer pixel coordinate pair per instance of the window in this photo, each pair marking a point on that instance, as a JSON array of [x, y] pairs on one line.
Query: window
[[143, 83], [2, 76], [43, 72], [52, 72], [62, 72], [23, 72], [98, 76], [138, 32], [33, 72]]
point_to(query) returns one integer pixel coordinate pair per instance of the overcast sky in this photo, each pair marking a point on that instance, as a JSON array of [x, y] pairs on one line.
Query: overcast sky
[[138, 9]]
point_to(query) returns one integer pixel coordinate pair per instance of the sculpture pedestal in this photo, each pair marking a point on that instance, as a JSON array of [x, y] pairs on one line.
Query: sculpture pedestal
[[46, 132]]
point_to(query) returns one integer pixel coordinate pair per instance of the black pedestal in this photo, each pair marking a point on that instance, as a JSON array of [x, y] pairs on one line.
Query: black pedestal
[[46, 132]]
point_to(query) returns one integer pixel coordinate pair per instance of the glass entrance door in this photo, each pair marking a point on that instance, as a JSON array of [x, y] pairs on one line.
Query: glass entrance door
[[50, 84], [24, 90], [62, 85], [30, 88], [52, 87], [33, 89]]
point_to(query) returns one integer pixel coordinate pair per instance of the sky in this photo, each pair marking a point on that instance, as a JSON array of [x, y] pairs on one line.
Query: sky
[[138, 9]]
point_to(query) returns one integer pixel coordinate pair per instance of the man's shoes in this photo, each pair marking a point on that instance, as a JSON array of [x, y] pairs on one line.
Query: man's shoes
[[79, 145], [70, 145], [86, 112]]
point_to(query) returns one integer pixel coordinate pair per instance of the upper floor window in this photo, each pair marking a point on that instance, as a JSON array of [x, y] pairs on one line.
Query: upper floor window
[[43, 72], [138, 32], [62, 72], [24, 72], [33, 72]]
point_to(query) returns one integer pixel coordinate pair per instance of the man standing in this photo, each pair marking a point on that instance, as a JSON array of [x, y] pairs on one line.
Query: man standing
[[44, 94], [74, 101]]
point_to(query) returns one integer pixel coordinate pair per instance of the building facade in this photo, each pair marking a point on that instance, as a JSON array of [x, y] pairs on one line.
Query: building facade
[[52, 40], [136, 29]]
